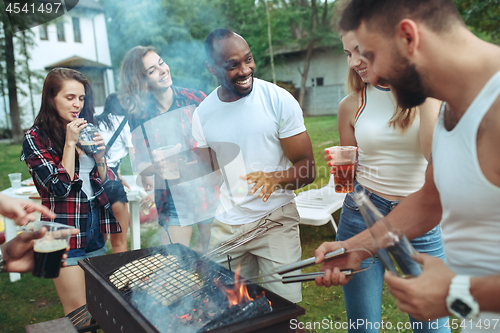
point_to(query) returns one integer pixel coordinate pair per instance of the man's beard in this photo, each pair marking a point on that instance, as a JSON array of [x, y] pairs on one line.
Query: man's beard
[[233, 87], [406, 83]]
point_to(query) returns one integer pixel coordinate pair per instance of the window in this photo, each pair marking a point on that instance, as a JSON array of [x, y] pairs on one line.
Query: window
[[96, 78], [42, 30], [319, 81], [60, 31], [76, 30]]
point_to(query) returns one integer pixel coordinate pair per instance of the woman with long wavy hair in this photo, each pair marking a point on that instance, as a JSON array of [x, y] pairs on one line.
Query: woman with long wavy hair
[[68, 179], [153, 102]]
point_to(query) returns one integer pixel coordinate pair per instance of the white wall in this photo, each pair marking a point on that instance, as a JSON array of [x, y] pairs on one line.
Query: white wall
[[47, 52], [324, 63]]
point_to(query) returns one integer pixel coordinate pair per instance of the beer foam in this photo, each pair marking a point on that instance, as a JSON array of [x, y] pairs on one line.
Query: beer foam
[[46, 246]]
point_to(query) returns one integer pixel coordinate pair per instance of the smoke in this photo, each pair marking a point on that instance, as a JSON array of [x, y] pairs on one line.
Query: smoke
[[177, 29], [182, 309]]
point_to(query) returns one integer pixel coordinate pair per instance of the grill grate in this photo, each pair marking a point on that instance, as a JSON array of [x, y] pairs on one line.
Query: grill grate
[[160, 276], [119, 306]]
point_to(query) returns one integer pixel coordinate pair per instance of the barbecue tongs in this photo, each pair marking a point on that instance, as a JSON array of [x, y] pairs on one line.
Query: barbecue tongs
[[310, 262]]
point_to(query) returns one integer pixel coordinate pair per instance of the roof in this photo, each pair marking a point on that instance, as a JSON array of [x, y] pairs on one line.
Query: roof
[[76, 62], [79, 4], [90, 4]]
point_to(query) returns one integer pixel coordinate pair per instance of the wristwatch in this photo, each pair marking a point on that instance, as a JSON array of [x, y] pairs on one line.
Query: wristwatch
[[459, 301]]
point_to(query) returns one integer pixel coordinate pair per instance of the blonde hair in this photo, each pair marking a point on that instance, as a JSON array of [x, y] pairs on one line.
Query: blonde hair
[[134, 93], [403, 118], [353, 82]]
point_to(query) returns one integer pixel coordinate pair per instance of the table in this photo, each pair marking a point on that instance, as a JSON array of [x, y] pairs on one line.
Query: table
[[133, 195]]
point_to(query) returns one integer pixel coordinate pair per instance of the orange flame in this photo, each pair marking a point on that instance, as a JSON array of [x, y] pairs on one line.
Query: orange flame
[[185, 317], [238, 294]]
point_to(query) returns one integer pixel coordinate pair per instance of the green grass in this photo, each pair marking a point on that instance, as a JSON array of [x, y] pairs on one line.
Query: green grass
[[33, 300], [9, 163]]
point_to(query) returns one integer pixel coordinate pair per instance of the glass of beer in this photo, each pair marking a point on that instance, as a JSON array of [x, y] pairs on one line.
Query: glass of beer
[[50, 248], [342, 161], [86, 140]]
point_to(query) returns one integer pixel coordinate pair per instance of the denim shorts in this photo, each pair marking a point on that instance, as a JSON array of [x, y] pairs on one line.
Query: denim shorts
[[114, 189], [95, 239]]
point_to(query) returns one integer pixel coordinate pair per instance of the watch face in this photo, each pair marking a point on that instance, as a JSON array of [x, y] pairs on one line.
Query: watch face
[[461, 308]]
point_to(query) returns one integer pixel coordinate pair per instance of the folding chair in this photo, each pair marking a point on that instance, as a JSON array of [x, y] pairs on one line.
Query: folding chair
[[316, 206]]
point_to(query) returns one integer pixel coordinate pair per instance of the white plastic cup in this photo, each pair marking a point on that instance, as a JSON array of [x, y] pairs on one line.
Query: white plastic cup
[[15, 180]]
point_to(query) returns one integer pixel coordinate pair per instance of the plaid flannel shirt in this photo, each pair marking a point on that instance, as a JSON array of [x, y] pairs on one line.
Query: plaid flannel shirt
[[62, 195], [182, 97]]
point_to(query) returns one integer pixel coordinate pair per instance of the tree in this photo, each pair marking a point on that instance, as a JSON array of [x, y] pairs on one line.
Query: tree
[[12, 23], [176, 28], [483, 16], [10, 64]]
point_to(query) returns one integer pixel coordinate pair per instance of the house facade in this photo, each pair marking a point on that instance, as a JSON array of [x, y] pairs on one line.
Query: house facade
[[326, 77], [78, 40]]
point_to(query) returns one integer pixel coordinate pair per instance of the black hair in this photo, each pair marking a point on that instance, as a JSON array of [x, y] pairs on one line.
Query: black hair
[[215, 35], [384, 15], [112, 106]]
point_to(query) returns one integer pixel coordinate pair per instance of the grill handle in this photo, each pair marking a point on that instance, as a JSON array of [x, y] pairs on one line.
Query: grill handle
[[309, 262]]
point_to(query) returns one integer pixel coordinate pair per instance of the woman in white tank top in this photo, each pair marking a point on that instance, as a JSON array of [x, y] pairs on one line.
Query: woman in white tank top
[[391, 165]]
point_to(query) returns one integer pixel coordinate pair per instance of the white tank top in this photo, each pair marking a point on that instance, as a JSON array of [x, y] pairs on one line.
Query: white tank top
[[471, 209], [87, 163], [389, 162]]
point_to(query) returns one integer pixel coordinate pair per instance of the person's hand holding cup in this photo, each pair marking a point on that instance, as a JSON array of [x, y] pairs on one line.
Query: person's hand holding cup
[[86, 140], [342, 159], [49, 249]]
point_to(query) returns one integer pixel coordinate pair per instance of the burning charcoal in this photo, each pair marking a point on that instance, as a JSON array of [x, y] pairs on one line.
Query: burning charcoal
[[257, 307]]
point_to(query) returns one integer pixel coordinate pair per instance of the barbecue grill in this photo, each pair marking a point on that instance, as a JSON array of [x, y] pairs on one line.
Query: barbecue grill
[[172, 289]]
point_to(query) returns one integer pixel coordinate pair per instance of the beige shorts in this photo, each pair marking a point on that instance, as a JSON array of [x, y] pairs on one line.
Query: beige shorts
[[277, 247]]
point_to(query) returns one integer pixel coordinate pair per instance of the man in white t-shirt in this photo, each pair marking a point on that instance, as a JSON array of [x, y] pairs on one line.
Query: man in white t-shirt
[[256, 130]]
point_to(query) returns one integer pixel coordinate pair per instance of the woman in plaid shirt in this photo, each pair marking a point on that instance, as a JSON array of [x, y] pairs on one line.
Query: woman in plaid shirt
[[161, 116], [69, 181]]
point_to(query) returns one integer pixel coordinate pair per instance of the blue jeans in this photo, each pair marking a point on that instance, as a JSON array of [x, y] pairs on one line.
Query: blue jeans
[[95, 239], [363, 294]]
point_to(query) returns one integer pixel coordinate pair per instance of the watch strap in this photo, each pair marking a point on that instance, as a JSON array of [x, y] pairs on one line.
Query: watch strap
[[460, 301]]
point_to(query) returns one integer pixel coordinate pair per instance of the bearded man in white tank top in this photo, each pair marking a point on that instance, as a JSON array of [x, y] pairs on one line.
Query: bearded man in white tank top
[[426, 44], [393, 145]]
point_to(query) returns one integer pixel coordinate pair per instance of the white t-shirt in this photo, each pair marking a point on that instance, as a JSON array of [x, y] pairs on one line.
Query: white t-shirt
[[245, 135], [119, 149]]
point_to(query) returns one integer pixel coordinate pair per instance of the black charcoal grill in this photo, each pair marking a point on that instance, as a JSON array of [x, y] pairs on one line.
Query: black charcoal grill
[[171, 289]]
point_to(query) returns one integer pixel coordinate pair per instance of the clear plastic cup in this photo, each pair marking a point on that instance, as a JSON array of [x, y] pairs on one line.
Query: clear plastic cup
[[168, 161], [343, 159], [50, 248], [15, 180], [86, 140]]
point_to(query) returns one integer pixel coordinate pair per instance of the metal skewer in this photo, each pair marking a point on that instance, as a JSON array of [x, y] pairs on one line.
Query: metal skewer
[[239, 240]]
